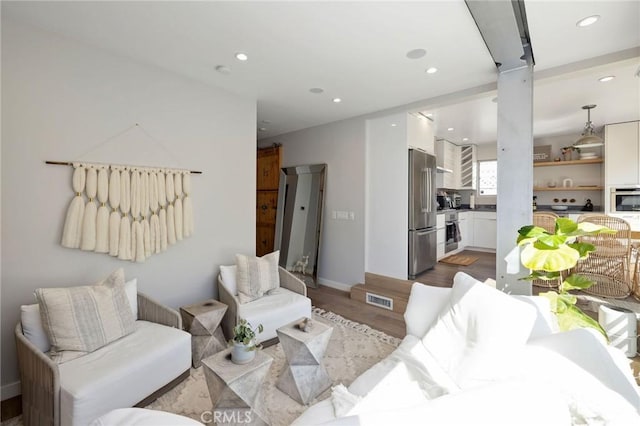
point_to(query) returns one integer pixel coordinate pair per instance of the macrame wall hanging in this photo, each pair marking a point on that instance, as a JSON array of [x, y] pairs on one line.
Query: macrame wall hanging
[[128, 212]]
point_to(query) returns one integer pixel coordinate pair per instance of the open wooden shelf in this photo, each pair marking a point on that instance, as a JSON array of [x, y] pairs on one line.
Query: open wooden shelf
[[573, 188], [567, 163]]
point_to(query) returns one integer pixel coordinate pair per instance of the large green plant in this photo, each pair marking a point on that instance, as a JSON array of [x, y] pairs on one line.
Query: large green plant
[[548, 256]]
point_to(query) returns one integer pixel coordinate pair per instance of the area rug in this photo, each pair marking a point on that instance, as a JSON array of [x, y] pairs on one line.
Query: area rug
[[458, 259], [353, 348]]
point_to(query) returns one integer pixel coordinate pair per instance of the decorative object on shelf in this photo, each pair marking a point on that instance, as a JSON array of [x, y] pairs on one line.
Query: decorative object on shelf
[[560, 208], [567, 183], [541, 153], [548, 255], [588, 139], [567, 152], [244, 342], [588, 207]]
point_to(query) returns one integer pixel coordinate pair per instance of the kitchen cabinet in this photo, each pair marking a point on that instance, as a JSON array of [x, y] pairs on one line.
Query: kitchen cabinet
[[484, 230], [447, 158], [622, 153], [465, 222], [441, 233], [420, 133], [468, 167]]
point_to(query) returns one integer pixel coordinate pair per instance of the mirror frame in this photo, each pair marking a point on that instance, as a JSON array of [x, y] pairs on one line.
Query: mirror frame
[[311, 280]]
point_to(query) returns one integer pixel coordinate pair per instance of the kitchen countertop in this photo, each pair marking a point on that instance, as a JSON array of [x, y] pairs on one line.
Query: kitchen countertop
[[492, 208]]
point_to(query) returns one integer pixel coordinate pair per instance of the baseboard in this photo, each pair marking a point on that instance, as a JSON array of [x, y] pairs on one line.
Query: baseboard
[[334, 284], [10, 390]]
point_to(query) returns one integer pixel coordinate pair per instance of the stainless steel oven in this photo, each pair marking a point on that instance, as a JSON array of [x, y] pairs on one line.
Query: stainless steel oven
[[625, 199], [452, 231]]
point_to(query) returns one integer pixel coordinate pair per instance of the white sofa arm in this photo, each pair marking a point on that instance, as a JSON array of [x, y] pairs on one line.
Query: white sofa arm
[[424, 305]]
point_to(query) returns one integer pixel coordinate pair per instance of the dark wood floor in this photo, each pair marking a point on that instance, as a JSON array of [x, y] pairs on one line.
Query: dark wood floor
[[392, 323]]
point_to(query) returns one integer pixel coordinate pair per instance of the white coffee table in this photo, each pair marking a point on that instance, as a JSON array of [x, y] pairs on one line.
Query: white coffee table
[[304, 377]]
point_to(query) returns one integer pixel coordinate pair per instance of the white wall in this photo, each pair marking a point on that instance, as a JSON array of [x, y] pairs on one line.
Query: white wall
[[387, 202], [341, 146], [61, 99]]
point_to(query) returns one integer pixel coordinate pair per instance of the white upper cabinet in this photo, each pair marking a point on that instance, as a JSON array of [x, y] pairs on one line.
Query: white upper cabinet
[[448, 157], [420, 133], [622, 154]]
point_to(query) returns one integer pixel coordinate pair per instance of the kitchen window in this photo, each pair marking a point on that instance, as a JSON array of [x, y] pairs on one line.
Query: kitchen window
[[488, 177]]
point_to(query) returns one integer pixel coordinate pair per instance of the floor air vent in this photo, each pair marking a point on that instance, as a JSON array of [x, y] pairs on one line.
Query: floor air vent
[[380, 301]]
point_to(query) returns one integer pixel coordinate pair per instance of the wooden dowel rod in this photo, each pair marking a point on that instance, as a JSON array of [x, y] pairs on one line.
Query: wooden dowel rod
[[68, 163]]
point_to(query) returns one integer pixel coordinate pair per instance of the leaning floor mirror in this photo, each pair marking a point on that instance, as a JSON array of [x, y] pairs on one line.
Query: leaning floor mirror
[[299, 220]]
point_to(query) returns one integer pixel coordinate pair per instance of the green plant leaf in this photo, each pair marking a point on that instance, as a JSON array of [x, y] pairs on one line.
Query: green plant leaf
[[559, 259], [541, 275], [552, 296], [530, 233], [565, 226], [550, 242], [588, 228], [573, 318], [576, 282], [567, 298], [583, 249]]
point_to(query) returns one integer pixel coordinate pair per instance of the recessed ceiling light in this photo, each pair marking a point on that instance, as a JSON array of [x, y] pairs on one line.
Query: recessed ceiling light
[[589, 20], [393, 124], [337, 100], [431, 70], [262, 129], [241, 56], [465, 139], [316, 90], [223, 69], [606, 78], [416, 53], [450, 129]]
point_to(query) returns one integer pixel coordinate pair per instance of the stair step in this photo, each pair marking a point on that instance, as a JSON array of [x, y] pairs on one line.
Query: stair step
[[385, 287]]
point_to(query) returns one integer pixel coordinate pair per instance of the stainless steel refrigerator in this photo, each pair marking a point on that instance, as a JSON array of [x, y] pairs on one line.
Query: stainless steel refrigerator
[[422, 212]]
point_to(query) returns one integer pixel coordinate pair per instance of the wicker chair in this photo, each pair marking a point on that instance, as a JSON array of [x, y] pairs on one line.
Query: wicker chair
[[546, 220], [609, 265]]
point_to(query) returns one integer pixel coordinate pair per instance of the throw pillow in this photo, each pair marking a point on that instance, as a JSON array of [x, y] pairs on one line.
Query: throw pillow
[[478, 335], [228, 275], [32, 327], [79, 320], [257, 275]]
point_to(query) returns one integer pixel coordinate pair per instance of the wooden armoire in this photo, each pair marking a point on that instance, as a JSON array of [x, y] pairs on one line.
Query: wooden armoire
[[268, 179]]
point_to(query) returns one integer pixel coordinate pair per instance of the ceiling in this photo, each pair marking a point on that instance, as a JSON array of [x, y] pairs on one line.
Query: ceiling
[[357, 51]]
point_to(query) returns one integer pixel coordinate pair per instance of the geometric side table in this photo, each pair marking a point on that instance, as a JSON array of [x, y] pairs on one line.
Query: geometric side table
[[304, 377], [236, 388], [202, 320]]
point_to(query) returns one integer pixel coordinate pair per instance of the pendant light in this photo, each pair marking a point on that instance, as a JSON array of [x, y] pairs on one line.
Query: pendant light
[[588, 138]]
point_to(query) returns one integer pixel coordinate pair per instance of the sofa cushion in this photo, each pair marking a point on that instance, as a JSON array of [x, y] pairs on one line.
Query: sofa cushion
[[479, 333], [279, 307], [228, 276], [82, 319], [257, 275], [424, 306], [116, 375]]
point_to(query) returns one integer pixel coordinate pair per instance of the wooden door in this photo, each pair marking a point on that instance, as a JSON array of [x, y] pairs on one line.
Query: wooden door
[[268, 179]]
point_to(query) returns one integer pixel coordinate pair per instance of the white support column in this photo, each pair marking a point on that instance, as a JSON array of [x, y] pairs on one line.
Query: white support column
[[515, 174]]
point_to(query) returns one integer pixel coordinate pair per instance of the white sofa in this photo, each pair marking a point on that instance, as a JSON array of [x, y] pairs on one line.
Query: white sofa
[[278, 307], [129, 371], [473, 355]]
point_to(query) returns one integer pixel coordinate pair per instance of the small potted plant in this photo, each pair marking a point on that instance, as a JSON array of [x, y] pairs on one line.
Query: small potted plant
[[244, 342], [549, 255]]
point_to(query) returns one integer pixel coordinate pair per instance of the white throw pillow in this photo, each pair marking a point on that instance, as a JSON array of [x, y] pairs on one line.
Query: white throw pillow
[[32, 327], [479, 333], [228, 275], [82, 319], [257, 275], [425, 304], [34, 331]]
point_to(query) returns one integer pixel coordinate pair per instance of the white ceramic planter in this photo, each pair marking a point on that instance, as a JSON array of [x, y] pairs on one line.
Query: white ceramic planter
[[240, 354]]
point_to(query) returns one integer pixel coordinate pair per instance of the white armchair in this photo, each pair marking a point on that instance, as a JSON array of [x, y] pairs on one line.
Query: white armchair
[[275, 309]]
